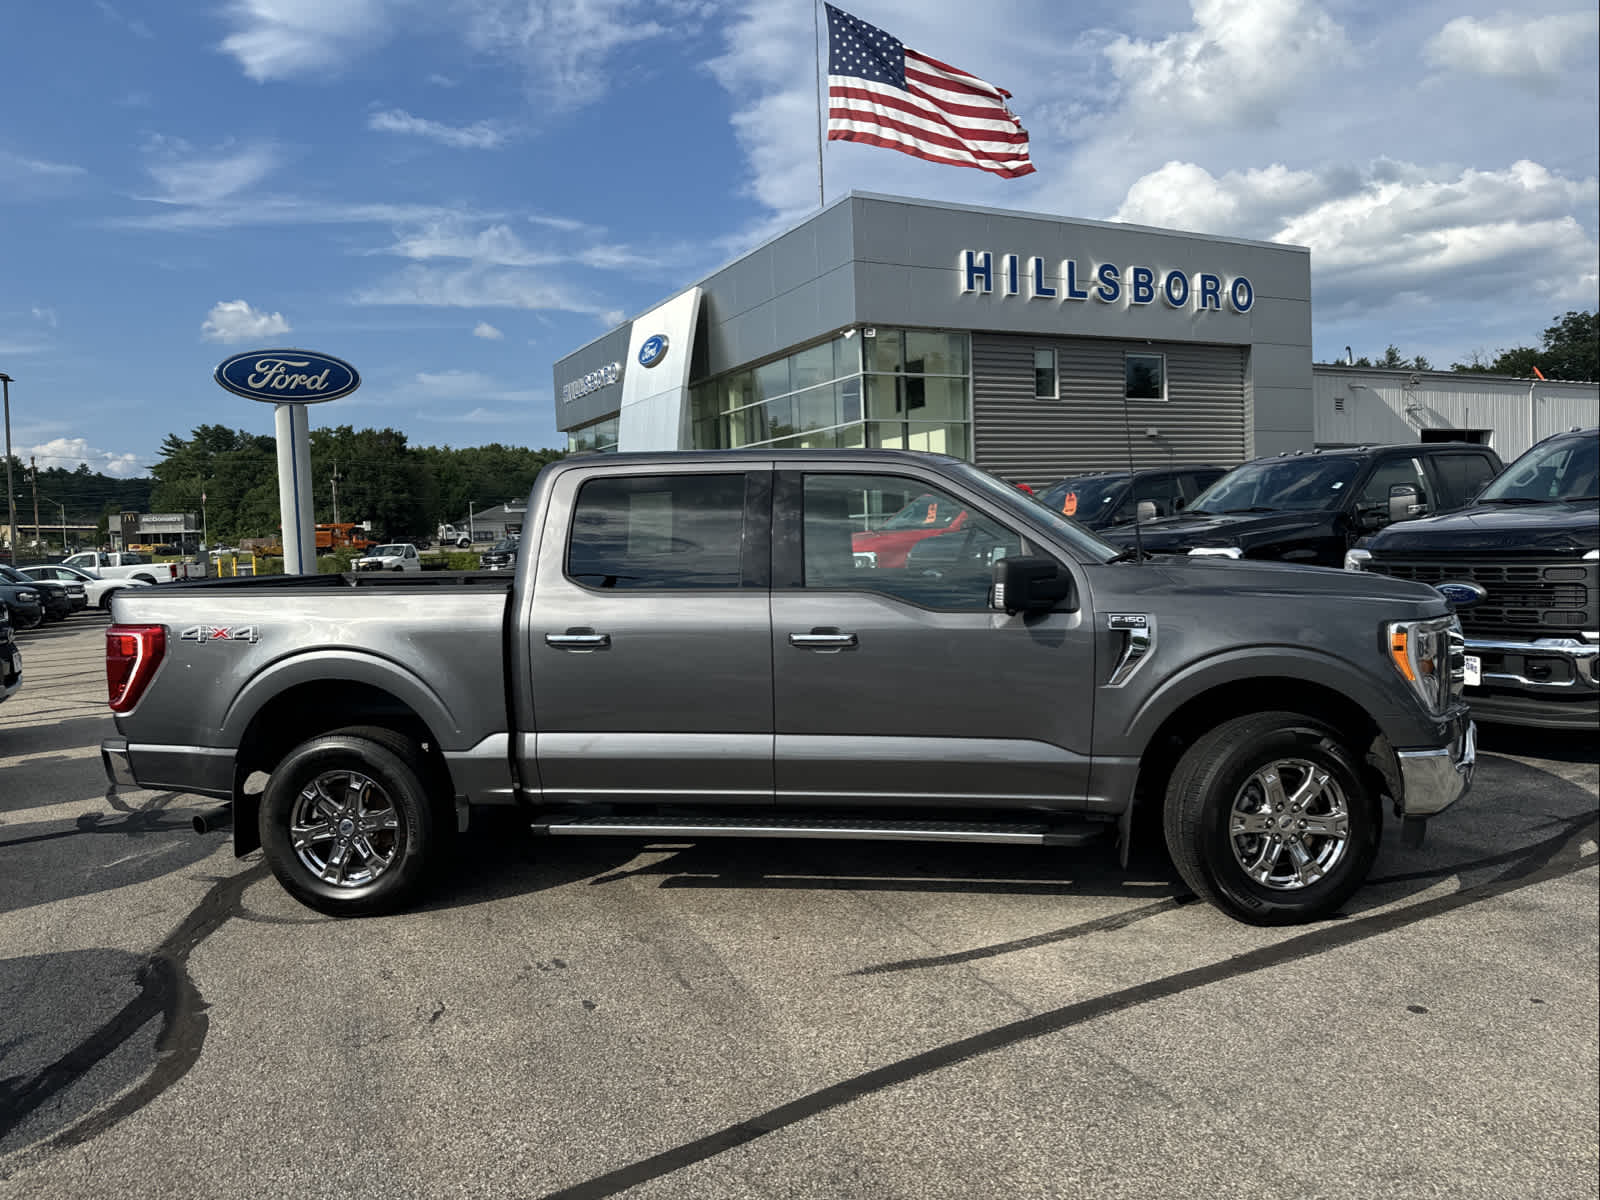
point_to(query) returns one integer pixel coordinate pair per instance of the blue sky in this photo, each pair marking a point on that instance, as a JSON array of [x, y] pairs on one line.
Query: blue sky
[[451, 194]]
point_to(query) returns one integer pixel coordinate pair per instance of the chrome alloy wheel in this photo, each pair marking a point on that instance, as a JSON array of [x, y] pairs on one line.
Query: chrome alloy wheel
[[1289, 825], [345, 828]]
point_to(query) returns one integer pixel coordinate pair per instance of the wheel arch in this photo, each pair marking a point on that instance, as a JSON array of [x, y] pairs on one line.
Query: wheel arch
[[307, 702], [1183, 723]]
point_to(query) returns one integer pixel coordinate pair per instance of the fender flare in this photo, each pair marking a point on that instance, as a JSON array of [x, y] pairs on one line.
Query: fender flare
[[339, 666], [1291, 662]]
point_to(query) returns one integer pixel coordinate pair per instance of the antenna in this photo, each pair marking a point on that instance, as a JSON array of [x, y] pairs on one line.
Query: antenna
[[1127, 429]]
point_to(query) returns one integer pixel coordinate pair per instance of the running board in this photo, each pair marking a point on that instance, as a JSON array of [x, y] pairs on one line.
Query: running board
[[779, 827]]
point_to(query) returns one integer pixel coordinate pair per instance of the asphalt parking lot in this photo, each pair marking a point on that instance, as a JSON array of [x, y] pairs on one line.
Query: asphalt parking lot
[[782, 1019]]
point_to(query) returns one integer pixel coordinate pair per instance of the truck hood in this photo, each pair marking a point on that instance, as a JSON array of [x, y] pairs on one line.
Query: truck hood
[[1176, 534], [1245, 577], [1558, 527]]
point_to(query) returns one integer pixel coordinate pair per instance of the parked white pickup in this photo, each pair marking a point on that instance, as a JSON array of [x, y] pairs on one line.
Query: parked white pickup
[[124, 565]]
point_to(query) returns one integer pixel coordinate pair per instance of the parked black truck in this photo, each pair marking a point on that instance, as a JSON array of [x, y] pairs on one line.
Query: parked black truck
[[1522, 566], [1310, 507]]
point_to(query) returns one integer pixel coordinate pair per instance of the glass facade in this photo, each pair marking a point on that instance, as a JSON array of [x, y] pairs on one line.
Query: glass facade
[[599, 437], [900, 389]]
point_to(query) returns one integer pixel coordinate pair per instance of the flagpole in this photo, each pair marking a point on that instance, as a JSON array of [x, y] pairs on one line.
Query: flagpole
[[816, 49]]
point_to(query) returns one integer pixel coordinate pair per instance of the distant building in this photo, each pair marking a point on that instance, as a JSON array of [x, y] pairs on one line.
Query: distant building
[[492, 524], [1359, 406], [182, 530]]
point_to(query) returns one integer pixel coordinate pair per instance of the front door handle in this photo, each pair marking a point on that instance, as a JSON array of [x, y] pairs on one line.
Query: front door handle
[[819, 640], [578, 639]]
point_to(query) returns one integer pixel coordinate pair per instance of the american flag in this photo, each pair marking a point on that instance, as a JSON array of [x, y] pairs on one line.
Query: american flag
[[885, 94]]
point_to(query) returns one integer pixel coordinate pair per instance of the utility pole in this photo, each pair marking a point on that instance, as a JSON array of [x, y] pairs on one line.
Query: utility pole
[[33, 472], [11, 495], [335, 491]]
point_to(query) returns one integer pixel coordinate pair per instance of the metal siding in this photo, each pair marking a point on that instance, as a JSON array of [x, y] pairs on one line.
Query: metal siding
[[1037, 442], [1360, 406]]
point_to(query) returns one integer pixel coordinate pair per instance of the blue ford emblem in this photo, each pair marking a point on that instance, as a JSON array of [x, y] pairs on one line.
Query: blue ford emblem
[[1461, 595], [287, 376], [653, 350]]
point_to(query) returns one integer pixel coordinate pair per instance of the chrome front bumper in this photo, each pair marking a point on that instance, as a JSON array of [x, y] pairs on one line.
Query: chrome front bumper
[[1433, 780], [1581, 657]]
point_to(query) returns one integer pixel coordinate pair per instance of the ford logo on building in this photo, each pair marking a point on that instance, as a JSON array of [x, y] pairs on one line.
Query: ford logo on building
[[1461, 595], [287, 376], [653, 350]]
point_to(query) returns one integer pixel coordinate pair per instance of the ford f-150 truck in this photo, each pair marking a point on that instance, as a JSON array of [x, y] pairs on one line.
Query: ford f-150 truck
[[691, 647], [1523, 566]]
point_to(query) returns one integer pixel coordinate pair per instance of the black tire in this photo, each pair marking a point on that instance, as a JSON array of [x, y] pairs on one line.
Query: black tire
[[1219, 812], [394, 765]]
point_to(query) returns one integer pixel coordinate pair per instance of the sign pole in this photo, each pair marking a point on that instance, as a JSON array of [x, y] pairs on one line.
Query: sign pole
[[293, 428], [290, 380]]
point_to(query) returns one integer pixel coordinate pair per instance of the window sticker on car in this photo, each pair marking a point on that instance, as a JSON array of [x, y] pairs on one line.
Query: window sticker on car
[[1069, 504]]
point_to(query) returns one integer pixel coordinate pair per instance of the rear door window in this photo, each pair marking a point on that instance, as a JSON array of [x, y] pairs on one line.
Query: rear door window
[[669, 532], [1461, 477]]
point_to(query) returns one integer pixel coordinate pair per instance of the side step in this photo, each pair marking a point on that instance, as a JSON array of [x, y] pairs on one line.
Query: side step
[[860, 830]]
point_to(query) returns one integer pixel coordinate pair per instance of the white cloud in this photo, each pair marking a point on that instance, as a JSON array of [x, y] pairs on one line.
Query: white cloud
[[235, 321], [204, 181], [1396, 227], [475, 287], [69, 452], [114, 15], [1510, 46], [1241, 59], [277, 39], [33, 174], [487, 332], [493, 245], [478, 136], [46, 315]]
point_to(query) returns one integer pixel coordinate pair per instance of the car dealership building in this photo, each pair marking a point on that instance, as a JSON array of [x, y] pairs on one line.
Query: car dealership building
[[1033, 345]]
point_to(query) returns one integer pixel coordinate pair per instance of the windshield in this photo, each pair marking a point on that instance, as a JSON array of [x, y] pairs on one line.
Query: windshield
[[1281, 483], [1561, 469], [1008, 499], [1088, 498], [389, 551], [504, 546]]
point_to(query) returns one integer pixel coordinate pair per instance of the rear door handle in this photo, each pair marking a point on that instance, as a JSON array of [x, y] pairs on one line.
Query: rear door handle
[[822, 641], [574, 640]]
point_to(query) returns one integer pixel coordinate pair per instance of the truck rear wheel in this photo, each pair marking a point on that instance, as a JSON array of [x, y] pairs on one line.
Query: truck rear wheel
[[1269, 817], [347, 824]]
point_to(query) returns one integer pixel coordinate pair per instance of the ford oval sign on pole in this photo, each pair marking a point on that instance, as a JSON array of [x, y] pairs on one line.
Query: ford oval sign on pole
[[287, 376], [653, 350], [290, 380]]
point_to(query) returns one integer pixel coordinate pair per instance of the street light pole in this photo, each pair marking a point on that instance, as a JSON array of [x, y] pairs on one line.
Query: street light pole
[[11, 496]]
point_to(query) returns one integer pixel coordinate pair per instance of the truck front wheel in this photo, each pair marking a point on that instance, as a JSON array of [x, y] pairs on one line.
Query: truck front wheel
[[346, 822], [1269, 817]]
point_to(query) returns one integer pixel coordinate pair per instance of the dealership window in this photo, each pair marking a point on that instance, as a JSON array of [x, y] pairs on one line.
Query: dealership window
[[600, 437], [903, 388], [1044, 375], [1145, 377]]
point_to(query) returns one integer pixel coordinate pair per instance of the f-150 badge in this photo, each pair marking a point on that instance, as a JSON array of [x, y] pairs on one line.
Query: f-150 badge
[[221, 633], [1127, 620]]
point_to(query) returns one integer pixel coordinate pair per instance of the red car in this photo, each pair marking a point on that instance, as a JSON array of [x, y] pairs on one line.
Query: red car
[[925, 517]]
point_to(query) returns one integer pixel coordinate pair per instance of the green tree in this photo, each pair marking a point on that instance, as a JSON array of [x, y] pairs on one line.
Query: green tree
[[1570, 349]]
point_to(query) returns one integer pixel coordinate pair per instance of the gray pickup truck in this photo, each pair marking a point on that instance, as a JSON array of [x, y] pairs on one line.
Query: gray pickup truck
[[732, 645]]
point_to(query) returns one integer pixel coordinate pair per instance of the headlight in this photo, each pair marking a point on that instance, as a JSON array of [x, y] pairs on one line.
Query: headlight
[[27, 597], [1217, 552], [1356, 560], [1430, 656]]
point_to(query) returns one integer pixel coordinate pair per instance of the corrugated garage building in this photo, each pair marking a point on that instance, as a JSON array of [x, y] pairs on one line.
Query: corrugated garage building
[[1034, 345], [1358, 406]]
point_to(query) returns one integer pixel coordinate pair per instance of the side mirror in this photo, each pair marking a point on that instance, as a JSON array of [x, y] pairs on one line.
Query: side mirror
[[1146, 510], [1403, 503], [1026, 584], [1179, 503]]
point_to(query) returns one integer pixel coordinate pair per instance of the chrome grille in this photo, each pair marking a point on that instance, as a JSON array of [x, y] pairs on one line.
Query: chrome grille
[[1540, 597]]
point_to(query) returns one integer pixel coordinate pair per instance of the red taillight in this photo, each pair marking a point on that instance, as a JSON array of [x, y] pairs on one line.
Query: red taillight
[[133, 652]]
